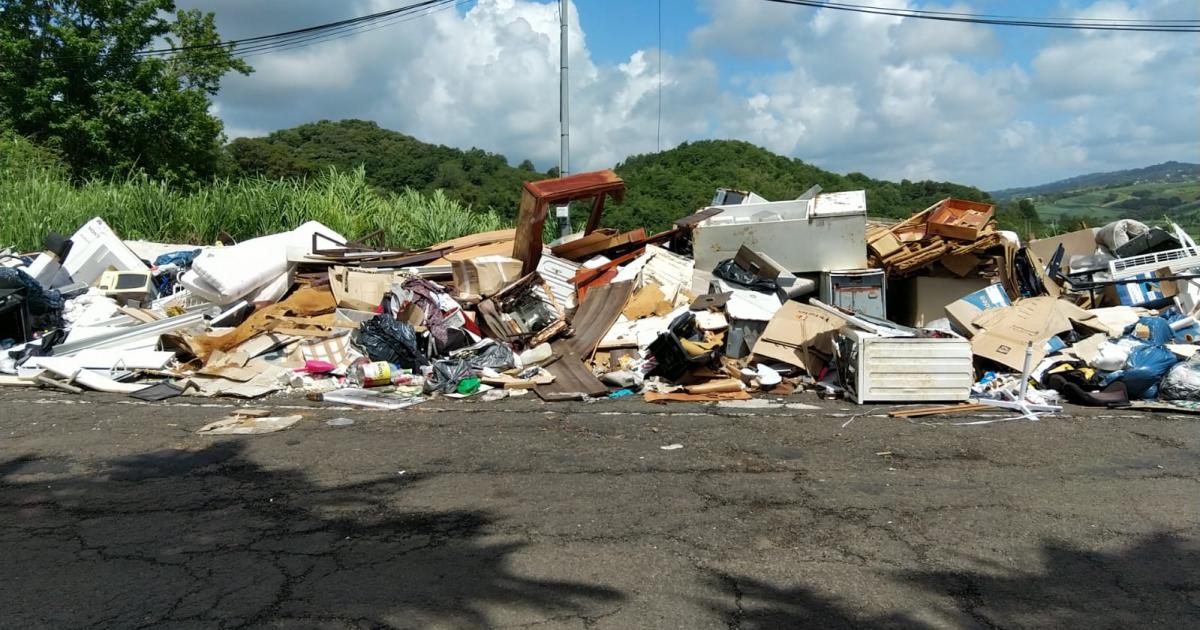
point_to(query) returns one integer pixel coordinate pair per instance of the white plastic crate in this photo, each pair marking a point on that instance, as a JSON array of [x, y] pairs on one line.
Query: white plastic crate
[[904, 369]]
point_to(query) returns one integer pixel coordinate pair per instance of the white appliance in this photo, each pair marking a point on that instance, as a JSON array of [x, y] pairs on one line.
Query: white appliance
[[903, 369], [815, 233]]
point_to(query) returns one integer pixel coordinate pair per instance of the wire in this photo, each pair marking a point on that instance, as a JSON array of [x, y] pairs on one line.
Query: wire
[[372, 17], [1092, 24], [1016, 17], [266, 50], [296, 38]]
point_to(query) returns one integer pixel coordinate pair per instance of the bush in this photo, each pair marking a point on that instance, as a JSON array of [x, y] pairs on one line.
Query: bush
[[37, 198]]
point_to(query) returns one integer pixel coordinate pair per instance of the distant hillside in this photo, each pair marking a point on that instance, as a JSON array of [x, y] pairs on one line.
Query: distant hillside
[[392, 160], [665, 186], [661, 186], [1167, 172]]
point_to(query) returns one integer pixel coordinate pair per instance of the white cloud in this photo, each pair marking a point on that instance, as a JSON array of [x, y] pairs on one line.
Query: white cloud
[[887, 96]]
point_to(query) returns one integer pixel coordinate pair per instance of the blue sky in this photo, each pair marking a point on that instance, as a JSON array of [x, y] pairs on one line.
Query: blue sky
[[893, 98]]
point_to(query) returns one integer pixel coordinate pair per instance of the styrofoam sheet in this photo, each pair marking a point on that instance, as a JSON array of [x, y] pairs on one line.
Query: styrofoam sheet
[[110, 359]]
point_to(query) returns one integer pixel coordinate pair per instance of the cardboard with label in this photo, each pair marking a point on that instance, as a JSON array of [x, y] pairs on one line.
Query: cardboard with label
[[963, 311], [1005, 332]]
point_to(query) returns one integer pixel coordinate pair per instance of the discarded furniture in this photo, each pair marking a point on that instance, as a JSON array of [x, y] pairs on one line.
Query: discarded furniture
[[538, 196]]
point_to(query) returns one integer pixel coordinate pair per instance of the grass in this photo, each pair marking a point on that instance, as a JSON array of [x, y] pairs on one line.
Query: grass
[[37, 198], [1099, 205], [1094, 201]]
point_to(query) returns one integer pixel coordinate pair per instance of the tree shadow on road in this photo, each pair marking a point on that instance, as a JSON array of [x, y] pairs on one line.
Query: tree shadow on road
[[207, 537], [759, 605], [1153, 583]]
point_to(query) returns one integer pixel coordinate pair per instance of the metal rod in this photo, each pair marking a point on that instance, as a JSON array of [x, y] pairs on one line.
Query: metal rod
[[1025, 370], [564, 103], [563, 213]]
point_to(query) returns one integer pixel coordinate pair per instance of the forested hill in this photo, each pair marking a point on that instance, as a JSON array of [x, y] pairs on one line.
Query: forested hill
[[665, 186], [661, 186], [1167, 172], [392, 161]]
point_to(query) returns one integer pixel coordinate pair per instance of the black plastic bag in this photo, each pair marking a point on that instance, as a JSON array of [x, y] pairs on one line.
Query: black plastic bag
[[494, 355], [446, 374], [731, 271], [456, 339], [383, 338]]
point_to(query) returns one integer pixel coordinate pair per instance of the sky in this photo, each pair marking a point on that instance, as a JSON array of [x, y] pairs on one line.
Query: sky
[[893, 98]]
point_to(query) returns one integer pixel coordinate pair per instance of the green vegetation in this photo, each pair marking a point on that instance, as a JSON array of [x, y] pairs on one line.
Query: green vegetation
[[1150, 203], [1167, 172], [392, 161], [72, 79], [37, 197], [668, 185], [662, 186]]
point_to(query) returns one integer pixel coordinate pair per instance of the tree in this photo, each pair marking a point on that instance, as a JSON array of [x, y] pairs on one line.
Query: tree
[[74, 76], [1027, 209]]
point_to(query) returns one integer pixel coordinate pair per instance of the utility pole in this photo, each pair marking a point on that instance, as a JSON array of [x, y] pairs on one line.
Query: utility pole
[[563, 212]]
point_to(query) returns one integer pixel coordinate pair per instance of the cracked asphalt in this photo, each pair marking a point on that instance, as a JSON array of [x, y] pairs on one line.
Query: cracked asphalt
[[527, 515]]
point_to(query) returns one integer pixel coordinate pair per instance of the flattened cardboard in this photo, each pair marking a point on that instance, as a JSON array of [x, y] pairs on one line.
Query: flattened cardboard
[[646, 301], [1006, 331], [961, 265], [1080, 243], [798, 335]]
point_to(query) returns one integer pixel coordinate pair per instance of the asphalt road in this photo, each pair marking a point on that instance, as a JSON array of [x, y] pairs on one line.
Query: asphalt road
[[527, 515]]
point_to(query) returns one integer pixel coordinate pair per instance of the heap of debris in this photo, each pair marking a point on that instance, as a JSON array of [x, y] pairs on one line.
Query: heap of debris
[[743, 296]]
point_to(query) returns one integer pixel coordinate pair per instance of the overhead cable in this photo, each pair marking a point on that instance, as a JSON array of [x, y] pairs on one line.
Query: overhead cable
[[1090, 24]]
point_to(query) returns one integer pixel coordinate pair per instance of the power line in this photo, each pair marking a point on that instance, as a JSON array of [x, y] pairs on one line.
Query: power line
[[1091, 24], [300, 32], [1017, 17], [246, 53], [296, 38]]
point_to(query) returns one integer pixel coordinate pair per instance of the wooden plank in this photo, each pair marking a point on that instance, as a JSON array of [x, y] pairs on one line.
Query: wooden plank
[[594, 216], [933, 411], [570, 249], [598, 246], [572, 379], [527, 246], [579, 186], [585, 275], [597, 314], [475, 240]]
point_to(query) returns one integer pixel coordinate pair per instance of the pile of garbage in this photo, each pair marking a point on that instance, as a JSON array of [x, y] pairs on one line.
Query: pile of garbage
[[745, 295]]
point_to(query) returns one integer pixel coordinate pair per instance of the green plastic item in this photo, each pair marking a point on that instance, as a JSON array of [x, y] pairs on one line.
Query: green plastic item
[[468, 385]]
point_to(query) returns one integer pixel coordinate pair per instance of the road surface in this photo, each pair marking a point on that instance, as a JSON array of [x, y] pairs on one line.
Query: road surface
[[520, 514]]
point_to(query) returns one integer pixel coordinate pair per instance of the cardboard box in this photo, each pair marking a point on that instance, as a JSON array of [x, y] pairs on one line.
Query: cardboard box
[[485, 275], [963, 311], [918, 301], [361, 289], [959, 218], [799, 335], [1006, 331], [1144, 288], [1080, 243]]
